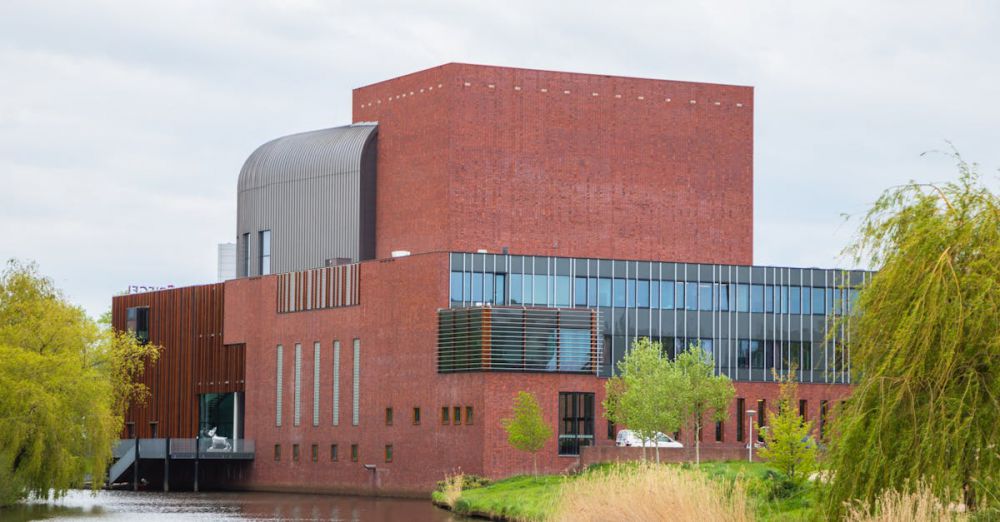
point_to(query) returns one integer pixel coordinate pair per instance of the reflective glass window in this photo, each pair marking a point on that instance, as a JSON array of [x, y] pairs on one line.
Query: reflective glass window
[[806, 296], [592, 291], [793, 299], [679, 295], [784, 299], [667, 295], [756, 354], [630, 293], [743, 354], [654, 294], [705, 296], [580, 291], [818, 300], [829, 299], [265, 252], [541, 290], [488, 288], [619, 293], [768, 298], [742, 298], [691, 292], [456, 287], [500, 295], [724, 297], [562, 291], [477, 288], [604, 292], [642, 294], [756, 298], [515, 289]]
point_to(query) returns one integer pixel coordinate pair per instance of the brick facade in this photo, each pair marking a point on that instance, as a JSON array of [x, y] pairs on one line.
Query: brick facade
[[549, 163]]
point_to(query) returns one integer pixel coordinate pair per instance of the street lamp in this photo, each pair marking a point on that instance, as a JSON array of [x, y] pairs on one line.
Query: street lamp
[[750, 413]]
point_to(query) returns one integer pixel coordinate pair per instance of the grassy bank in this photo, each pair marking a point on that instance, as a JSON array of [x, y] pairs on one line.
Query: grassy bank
[[528, 498]]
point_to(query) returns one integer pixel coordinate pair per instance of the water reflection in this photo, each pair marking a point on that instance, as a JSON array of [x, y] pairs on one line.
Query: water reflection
[[152, 507]]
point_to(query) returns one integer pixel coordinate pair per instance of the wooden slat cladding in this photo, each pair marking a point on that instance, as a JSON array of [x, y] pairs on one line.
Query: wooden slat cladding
[[187, 322], [329, 287]]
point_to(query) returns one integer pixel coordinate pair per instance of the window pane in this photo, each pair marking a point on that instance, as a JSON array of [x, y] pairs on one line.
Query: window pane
[[562, 291], [477, 288], [756, 354], [642, 294], [580, 292], [592, 291], [724, 297], [630, 293], [667, 295], [784, 299], [515, 289], [541, 290], [501, 288], [692, 296], [705, 296], [654, 294], [756, 298], [768, 298], [818, 300], [456, 287], [743, 354], [488, 288], [742, 298], [806, 292], [679, 295], [619, 293], [793, 299], [604, 293]]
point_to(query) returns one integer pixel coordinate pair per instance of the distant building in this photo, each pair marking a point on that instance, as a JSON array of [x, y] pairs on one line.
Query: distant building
[[548, 220], [227, 262]]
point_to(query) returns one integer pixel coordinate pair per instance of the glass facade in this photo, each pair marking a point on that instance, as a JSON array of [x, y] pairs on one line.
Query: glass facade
[[751, 318]]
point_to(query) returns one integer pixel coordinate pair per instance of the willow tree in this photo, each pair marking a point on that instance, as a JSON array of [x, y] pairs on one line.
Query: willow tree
[[65, 383], [925, 349]]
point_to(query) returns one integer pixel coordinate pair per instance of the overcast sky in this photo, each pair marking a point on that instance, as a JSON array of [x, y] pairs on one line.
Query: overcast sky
[[123, 125]]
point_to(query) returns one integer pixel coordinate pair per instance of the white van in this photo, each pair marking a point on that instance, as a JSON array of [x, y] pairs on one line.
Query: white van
[[628, 438]]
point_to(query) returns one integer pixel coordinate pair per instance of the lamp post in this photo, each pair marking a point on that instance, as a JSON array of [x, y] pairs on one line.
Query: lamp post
[[750, 413]]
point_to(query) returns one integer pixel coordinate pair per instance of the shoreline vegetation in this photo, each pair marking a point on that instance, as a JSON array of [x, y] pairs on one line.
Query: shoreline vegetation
[[733, 491]]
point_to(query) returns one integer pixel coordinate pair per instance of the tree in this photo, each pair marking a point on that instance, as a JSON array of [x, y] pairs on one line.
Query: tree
[[702, 392], [526, 430], [64, 387], [643, 396], [925, 351], [789, 445]]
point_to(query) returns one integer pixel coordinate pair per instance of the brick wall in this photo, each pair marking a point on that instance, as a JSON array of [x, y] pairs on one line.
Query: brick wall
[[552, 163]]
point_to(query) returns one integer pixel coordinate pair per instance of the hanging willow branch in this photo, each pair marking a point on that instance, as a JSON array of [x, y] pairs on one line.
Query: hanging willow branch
[[925, 349]]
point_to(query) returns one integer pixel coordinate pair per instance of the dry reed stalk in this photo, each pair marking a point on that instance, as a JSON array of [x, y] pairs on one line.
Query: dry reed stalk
[[452, 490], [651, 492], [917, 506]]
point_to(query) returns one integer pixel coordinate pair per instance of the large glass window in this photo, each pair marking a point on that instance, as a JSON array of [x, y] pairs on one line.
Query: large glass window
[[576, 422], [562, 291], [574, 349], [756, 298], [691, 289], [619, 293], [246, 253], [742, 298], [488, 287], [456, 287], [265, 252], [818, 300], [768, 298], [705, 296], [630, 293], [515, 289], [806, 299], [756, 354], [642, 294], [604, 292], [667, 295], [501, 287], [477, 288], [541, 290], [137, 322], [793, 300], [679, 295], [724, 297], [743, 354], [580, 291], [654, 294], [784, 299], [592, 291]]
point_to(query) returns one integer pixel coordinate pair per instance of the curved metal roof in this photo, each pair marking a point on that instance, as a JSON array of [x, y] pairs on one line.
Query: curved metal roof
[[305, 155]]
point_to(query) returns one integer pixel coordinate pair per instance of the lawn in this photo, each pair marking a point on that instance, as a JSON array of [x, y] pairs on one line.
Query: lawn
[[531, 498]]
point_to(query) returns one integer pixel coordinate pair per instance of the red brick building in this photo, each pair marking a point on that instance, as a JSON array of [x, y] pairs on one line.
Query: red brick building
[[547, 219]]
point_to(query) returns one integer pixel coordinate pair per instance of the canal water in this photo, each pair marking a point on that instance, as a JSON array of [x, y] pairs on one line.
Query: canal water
[[80, 506]]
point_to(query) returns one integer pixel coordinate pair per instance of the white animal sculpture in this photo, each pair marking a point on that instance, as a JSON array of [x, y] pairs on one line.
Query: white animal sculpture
[[218, 443]]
